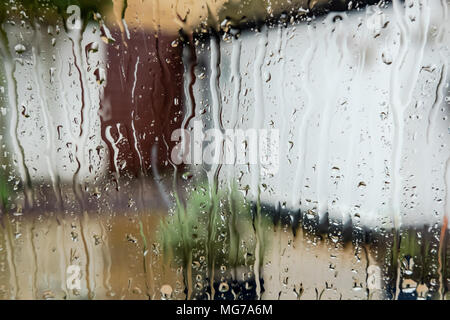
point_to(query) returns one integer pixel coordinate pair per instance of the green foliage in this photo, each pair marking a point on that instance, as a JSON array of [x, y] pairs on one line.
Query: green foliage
[[5, 191], [51, 10], [213, 224]]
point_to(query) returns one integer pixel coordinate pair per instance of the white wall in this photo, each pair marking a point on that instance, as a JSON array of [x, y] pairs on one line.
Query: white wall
[[360, 104]]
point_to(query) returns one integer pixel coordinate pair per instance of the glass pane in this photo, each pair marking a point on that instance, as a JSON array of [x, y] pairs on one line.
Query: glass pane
[[227, 150]]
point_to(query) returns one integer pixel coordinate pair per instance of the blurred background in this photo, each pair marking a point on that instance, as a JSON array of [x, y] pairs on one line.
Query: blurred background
[[352, 202]]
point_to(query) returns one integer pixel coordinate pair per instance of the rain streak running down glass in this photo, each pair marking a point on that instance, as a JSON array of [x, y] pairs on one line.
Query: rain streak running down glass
[[224, 149]]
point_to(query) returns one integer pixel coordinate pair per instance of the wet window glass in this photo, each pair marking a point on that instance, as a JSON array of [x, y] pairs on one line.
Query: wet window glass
[[227, 150]]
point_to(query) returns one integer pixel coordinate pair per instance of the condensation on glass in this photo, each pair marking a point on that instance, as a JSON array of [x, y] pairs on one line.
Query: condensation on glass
[[224, 150]]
